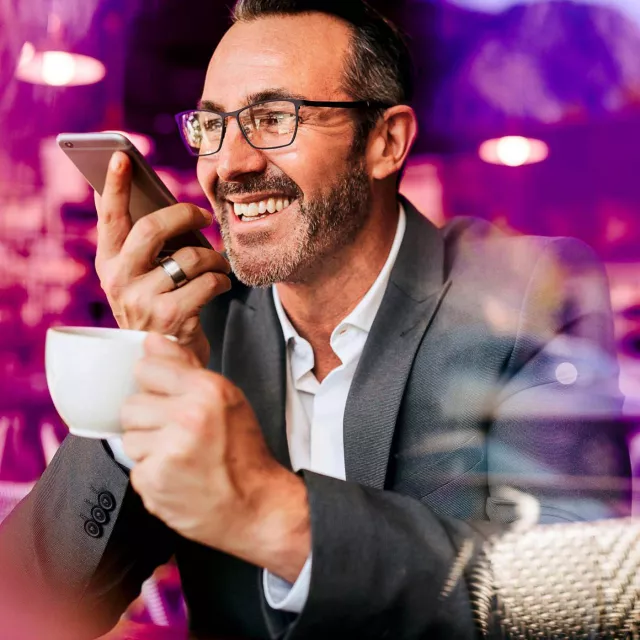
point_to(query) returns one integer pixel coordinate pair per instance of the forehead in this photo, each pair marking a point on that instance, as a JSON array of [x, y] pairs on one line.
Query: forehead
[[302, 54]]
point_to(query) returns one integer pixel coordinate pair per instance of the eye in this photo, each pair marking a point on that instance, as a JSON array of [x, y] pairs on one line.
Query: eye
[[212, 125], [271, 119]]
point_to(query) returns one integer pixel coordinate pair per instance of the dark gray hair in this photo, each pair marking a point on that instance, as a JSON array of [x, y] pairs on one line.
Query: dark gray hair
[[379, 64]]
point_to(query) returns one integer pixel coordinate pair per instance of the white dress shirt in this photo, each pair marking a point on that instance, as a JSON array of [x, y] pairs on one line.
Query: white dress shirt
[[315, 410]]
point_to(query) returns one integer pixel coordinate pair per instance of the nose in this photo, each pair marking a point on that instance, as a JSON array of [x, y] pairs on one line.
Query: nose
[[237, 157]]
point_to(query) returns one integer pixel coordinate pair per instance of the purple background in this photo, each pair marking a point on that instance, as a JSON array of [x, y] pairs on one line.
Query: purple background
[[565, 72]]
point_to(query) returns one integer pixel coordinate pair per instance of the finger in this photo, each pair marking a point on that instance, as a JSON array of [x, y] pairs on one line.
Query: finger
[[144, 480], [193, 261], [191, 297], [146, 412], [114, 222], [148, 235], [169, 312], [158, 346], [138, 444], [164, 376]]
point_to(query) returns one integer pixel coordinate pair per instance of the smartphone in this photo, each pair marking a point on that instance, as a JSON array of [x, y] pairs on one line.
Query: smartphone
[[91, 153]]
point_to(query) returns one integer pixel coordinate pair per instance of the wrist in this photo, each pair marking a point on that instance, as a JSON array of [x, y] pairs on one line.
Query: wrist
[[284, 527]]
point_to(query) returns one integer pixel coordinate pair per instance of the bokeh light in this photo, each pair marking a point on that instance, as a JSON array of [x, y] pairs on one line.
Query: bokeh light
[[513, 151], [58, 68]]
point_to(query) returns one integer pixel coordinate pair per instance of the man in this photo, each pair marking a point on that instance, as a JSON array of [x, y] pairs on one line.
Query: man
[[372, 381]]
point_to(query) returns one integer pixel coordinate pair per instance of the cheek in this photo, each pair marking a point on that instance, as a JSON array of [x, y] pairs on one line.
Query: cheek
[[312, 165], [207, 175]]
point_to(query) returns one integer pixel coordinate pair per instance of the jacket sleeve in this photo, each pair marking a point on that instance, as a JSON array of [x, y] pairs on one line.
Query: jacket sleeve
[[386, 566], [75, 551]]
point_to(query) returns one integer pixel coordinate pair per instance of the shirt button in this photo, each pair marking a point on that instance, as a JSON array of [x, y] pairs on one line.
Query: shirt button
[[93, 529], [342, 331], [107, 501], [99, 515]]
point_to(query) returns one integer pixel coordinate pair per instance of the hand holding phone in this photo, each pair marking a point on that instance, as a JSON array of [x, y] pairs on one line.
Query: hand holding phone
[[131, 237], [91, 153]]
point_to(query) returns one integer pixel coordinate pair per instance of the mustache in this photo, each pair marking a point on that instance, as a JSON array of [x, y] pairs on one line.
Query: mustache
[[257, 184]]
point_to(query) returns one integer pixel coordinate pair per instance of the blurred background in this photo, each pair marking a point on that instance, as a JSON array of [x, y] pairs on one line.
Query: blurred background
[[530, 118]]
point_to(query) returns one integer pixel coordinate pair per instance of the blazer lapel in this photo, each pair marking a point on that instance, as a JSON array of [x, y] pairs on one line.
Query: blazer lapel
[[253, 357], [412, 298]]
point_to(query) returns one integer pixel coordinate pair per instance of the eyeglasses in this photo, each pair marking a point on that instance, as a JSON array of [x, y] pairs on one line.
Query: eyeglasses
[[268, 124]]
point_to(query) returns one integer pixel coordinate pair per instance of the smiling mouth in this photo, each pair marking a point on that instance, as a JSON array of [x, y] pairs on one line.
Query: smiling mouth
[[250, 211]]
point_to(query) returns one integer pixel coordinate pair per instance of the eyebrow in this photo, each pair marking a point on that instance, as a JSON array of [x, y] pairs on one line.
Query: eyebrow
[[259, 96]]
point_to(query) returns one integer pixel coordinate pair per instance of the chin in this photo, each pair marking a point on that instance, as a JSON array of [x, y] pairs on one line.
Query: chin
[[255, 268], [267, 268]]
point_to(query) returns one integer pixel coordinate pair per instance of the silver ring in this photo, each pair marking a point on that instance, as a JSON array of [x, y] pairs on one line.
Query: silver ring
[[173, 270]]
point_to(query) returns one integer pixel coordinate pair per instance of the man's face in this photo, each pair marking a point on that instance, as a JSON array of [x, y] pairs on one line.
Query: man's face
[[320, 175]]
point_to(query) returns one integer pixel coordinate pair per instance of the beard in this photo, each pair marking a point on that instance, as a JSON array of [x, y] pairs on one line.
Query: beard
[[325, 224]]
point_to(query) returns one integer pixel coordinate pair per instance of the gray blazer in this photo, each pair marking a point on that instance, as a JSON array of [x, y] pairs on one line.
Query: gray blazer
[[487, 391]]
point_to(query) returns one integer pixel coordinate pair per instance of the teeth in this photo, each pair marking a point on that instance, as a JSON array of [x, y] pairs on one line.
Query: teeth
[[254, 209]]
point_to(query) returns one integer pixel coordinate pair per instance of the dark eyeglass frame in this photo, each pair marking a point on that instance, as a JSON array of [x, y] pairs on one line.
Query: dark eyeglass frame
[[357, 104]]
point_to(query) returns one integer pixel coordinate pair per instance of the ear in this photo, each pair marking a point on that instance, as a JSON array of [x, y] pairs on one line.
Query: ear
[[391, 141]]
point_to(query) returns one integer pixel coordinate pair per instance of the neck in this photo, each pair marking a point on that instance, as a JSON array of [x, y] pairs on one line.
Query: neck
[[318, 304]]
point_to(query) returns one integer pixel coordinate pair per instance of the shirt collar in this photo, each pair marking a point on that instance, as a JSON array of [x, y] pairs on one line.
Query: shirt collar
[[288, 329], [365, 312]]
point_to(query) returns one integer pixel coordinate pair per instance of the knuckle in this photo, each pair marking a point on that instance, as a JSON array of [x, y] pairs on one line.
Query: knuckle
[[196, 417], [232, 396], [130, 298], [149, 228], [216, 282], [100, 266], [210, 280], [220, 261], [192, 213], [107, 284], [189, 258], [166, 314], [109, 281], [210, 386]]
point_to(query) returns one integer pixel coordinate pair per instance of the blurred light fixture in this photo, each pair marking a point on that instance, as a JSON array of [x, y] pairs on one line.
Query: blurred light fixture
[[57, 68], [53, 64], [143, 143], [513, 151]]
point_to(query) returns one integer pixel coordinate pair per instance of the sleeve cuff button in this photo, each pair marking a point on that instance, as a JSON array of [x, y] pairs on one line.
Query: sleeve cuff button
[[99, 515], [93, 529], [107, 501]]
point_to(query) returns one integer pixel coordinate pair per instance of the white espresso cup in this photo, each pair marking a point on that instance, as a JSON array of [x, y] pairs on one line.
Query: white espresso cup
[[90, 373]]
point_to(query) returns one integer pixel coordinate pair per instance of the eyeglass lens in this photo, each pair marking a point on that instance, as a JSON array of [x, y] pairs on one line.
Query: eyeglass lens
[[266, 126]]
